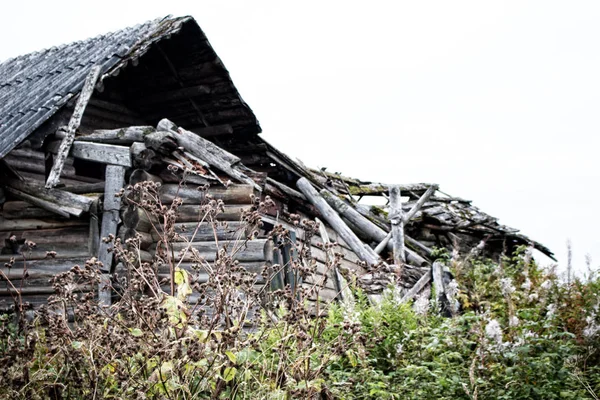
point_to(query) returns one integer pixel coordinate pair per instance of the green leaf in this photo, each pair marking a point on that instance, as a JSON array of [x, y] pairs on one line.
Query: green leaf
[[229, 373], [137, 332], [77, 345], [231, 356]]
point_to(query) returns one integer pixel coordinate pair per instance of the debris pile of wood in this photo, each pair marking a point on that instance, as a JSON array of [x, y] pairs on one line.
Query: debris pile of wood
[[380, 245]]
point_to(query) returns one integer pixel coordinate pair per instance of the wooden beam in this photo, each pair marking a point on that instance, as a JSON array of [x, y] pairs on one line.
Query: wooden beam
[[407, 217], [121, 136], [115, 177], [421, 283], [397, 221], [70, 203], [65, 146], [367, 228], [335, 221], [104, 153]]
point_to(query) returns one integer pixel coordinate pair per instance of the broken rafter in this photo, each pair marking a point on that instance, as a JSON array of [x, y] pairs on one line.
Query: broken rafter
[[407, 217], [65, 146], [365, 253], [364, 226]]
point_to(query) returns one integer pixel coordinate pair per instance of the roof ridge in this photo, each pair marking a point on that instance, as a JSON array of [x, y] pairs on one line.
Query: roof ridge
[[62, 46]]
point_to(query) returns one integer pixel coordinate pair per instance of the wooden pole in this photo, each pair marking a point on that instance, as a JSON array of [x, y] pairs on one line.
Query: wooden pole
[[437, 272], [115, 176], [65, 145], [360, 223], [408, 216], [421, 283], [365, 253], [397, 221]]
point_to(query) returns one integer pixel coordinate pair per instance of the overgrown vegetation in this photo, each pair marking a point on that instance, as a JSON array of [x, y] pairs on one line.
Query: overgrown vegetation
[[520, 333]]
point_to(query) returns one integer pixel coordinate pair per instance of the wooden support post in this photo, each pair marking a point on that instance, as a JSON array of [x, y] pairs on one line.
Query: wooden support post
[[366, 227], [65, 145], [406, 218], [397, 221], [335, 221], [437, 272], [115, 176]]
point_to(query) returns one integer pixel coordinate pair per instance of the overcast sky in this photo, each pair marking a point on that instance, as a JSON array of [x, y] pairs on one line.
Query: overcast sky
[[495, 101]]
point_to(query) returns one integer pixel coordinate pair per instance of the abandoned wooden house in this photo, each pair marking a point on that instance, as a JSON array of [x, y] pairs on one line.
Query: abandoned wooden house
[[81, 121]]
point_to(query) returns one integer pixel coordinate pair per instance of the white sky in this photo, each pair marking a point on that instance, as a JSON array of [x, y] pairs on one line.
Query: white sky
[[495, 101]]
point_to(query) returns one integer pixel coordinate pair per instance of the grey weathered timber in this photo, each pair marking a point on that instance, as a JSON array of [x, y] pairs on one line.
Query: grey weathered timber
[[23, 210], [37, 166], [123, 136], [115, 175], [366, 227], [407, 217], [57, 201], [418, 244], [104, 153], [94, 229], [232, 194], [251, 250], [365, 253], [410, 214], [437, 272], [65, 146], [421, 283], [201, 231], [208, 152], [274, 187], [396, 218]]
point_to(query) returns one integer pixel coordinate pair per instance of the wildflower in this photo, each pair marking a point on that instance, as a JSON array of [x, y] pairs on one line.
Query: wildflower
[[592, 327], [547, 284], [507, 286], [494, 331], [526, 285], [399, 348], [533, 297], [513, 321], [551, 310]]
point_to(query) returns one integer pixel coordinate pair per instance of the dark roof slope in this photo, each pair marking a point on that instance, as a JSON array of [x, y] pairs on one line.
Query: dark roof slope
[[35, 86]]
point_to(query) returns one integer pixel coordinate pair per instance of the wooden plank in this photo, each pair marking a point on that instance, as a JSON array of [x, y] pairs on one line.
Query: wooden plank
[[205, 231], [27, 224], [193, 213], [46, 205], [122, 136], [59, 197], [420, 285], [84, 97], [365, 253], [23, 210], [397, 221], [207, 151], [104, 153], [115, 177], [252, 250], [233, 194]]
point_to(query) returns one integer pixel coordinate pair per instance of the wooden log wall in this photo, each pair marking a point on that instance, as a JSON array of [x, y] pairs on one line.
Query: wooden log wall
[[60, 244]]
